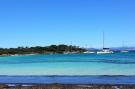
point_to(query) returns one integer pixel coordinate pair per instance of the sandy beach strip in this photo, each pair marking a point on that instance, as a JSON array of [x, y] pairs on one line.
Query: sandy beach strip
[[64, 86]]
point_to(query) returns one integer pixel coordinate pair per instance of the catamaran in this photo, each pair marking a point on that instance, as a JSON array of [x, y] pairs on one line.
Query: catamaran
[[104, 50]]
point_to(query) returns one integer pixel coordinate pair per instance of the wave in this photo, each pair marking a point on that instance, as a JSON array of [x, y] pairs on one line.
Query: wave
[[77, 61]]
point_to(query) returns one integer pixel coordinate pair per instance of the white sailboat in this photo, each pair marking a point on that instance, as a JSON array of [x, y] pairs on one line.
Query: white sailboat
[[124, 51], [104, 50], [88, 51]]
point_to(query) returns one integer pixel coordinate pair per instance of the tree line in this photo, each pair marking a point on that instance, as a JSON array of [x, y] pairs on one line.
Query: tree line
[[41, 50]]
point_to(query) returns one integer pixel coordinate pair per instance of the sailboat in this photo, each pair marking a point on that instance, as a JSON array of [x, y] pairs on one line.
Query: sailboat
[[104, 50], [88, 51], [124, 50]]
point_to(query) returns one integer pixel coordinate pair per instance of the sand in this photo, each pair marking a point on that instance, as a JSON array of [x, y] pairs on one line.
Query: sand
[[66, 86]]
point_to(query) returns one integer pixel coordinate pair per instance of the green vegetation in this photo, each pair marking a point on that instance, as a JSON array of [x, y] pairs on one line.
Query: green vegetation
[[41, 50]]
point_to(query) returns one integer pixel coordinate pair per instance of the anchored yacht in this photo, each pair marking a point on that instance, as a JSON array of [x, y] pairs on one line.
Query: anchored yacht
[[104, 50]]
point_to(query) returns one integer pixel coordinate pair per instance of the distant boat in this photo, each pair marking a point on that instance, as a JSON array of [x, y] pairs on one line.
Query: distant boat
[[104, 50], [124, 50], [88, 52], [70, 51]]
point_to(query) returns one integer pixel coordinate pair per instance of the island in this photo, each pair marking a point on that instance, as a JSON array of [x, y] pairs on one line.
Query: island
[[52, 49]]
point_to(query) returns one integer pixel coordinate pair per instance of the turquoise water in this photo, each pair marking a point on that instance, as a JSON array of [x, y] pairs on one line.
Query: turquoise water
[[69, 64]]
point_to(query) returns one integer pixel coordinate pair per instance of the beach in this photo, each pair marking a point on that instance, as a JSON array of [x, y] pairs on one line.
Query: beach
[[67, 44], [60, 86], [67, 82]]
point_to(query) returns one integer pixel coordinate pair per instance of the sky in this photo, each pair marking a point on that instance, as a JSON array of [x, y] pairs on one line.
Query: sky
[[76, 22]]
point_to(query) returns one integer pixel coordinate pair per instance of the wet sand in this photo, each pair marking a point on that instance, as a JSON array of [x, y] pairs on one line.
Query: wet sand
[[66, 86]]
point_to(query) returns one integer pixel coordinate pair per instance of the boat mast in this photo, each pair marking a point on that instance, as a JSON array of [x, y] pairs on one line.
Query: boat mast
[[103, 39], [123, 44], [71, 47]]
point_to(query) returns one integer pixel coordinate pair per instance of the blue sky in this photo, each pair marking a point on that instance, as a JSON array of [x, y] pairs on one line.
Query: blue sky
[[80, 22]]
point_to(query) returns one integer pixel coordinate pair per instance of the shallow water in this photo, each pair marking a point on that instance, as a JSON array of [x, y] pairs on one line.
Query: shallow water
[[69, 64]]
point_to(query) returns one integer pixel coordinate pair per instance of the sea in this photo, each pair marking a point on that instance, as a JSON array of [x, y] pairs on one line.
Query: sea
[[116, 68]]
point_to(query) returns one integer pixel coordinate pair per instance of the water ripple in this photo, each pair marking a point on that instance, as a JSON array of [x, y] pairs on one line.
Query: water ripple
[[60, 61]]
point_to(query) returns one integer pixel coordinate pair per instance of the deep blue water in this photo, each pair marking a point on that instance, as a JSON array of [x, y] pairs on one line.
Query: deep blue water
[[67, 79]]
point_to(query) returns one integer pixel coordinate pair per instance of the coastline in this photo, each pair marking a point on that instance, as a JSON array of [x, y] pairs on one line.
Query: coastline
[[65, 86], [6, 55], [64, 79], [66, 82]]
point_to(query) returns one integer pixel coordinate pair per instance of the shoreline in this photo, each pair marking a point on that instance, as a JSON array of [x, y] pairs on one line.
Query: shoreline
[[31, 54], [81, 80], [65, 86]]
